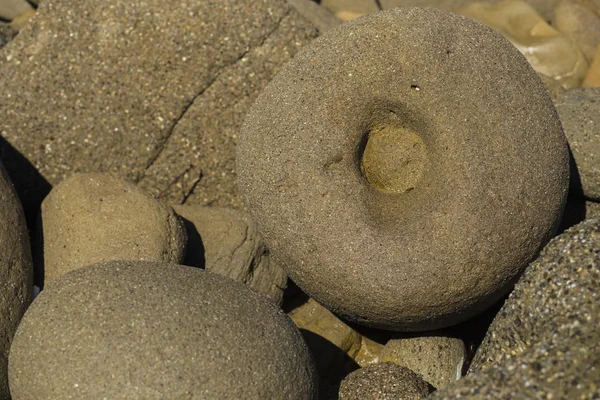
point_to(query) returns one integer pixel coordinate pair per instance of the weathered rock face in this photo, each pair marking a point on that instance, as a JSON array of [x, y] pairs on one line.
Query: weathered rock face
[[225, 241], [545, 341], [127, 330], [150, 92], [321, 18], [438, 359], [383, 381], [91, 218], [449, 240], [559, 63], [557, 293], [579, 112], [16, 271], [7, 33]]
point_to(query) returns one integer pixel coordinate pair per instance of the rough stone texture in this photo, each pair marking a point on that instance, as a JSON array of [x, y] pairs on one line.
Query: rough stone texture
[[133, 329], [543, 7], [369, 352], [150, 92], [320, 17], [557, 299], [91, 218], [579, 112], [579, 20], [384, 381], [592, 79], [332, 342], [559, 63], [551, 369], [11, 9], [438, 359], [7, 33], [16, 271], [225, 241], [491, 196]]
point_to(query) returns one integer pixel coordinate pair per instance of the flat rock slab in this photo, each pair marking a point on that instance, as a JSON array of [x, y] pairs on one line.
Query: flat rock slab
[[148, 91]]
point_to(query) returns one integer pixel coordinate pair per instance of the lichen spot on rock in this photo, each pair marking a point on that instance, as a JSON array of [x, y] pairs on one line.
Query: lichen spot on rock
[[394, 159]]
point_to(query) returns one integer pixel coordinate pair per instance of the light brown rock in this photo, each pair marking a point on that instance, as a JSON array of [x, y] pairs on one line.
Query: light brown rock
[[592, 79], [90, 218], [225, 241], [579, 20], [331, 341], [11, 9], [360, 7], [16, 272], [438, 359], [555, 58], [369, 352], [322, 18]]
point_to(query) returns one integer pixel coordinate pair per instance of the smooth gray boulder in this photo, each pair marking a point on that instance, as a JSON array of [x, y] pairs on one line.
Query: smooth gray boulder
[[90, 218], [579, 112], [225, 241], [133, 329], [151, 92], [16, 271], [404, 168]]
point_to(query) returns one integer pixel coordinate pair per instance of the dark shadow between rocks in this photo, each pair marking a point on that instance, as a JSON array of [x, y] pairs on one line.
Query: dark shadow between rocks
[[574, 211], [37, 252], [194, 252], [30, 185], [293, 297], [328, 357]]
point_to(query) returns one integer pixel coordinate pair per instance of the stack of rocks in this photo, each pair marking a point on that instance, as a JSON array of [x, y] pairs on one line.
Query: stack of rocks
[[405, 170]]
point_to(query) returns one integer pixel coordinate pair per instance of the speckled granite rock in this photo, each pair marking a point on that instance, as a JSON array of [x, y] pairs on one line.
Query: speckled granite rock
[[132, 330], [147, 91], [225, 241], [550, 369], [320, 17], [383, 381], [16, 271], [579, 112], [559, 63], [97, 217], [490, 194], [438, 359], [558, 297], [332, 342], [579, 20]]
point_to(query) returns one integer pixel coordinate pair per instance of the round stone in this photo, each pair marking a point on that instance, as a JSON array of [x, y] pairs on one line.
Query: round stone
[[134, 329], [404, 168]]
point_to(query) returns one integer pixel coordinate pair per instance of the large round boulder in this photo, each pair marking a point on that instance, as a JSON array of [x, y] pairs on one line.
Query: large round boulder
[[405, 167], [134, 329]]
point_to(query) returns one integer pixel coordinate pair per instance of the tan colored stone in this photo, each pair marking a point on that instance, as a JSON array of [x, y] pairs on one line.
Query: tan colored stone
[[369, 352], [439, 359], [579, 20], [360, 7], [558, 62], [348, 15], [226, 241], [592, 79], [22, 20], [91, 218], [11, 9], [331, 341]]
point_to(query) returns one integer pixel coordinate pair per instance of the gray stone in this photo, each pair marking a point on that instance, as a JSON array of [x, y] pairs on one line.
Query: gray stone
[[558, 293], [225, 241], [438, 359], [320, 17], [11, 9], [16, 271], [450, 238], [148, 91], [384, 381], [579, 112], [97, 217], [132, 330]]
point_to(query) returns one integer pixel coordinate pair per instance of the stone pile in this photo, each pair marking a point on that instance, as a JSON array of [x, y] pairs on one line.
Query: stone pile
[[405, 169]]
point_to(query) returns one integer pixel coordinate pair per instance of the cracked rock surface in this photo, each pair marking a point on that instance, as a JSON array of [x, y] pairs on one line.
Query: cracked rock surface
[[152, 93], [226, 241]]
